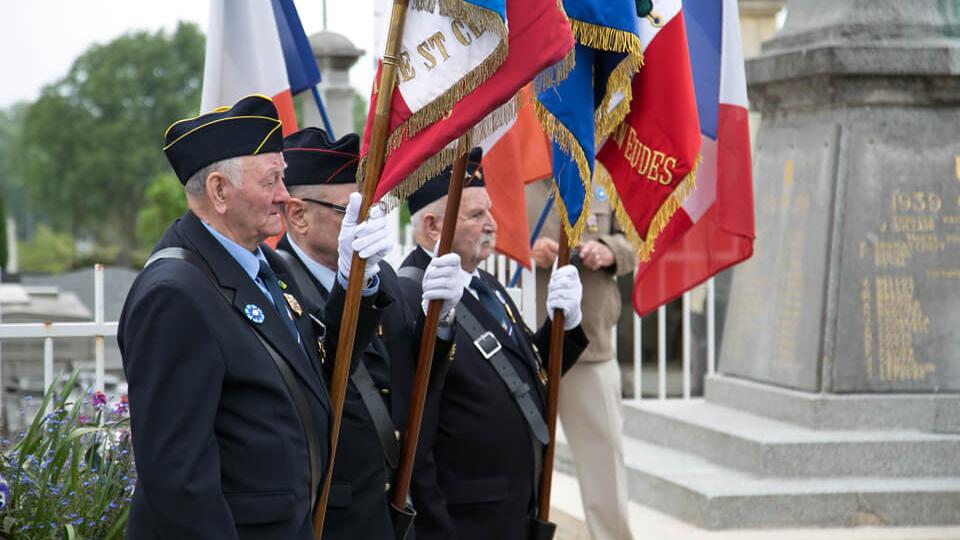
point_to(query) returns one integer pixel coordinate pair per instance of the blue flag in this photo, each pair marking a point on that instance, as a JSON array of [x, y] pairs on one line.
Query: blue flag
[[302, 71], [593, 99]]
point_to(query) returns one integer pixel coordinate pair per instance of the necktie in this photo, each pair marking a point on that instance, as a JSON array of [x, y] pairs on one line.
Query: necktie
[[270, 279], [490, 302]]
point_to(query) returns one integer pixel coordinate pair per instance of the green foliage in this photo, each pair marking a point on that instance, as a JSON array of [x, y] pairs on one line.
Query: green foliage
[[70, 475], [11, 188], [165, 202], [3, 231], [49, 252], [91, 143], [359, 113]]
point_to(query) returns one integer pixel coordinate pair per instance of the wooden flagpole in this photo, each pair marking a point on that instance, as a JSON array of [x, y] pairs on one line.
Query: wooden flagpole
[[348, 325], [401, 484], [553, 391]]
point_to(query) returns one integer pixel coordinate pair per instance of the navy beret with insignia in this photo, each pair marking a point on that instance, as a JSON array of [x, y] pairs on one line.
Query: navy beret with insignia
[[438, 186], [313, 159], [249, 128]]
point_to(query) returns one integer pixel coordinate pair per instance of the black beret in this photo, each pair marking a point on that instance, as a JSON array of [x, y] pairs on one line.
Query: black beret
[[249, 128], [438, 186], [312, 158]]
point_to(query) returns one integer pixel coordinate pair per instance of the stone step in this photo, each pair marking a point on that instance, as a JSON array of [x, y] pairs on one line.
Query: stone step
[[923, 412], [712, 496], [766, 447]]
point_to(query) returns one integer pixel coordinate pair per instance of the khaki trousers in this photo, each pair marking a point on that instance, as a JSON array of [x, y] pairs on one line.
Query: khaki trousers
[[592, 417]]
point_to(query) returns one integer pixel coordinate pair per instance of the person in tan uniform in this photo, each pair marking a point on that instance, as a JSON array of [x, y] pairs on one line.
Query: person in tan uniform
[[590, 393]]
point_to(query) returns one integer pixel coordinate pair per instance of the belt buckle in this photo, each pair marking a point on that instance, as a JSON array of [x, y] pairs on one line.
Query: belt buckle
[[487, 351]]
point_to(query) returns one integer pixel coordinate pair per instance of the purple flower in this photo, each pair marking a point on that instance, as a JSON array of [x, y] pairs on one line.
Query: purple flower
[[99, 399], [82, 419]]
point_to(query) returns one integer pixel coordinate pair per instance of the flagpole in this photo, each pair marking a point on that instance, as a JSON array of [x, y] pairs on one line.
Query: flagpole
[[533, 236], [401, 484], [351, 308], [553, 390]]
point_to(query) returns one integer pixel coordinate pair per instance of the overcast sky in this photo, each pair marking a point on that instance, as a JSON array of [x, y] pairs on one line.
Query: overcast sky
[[39, 39]]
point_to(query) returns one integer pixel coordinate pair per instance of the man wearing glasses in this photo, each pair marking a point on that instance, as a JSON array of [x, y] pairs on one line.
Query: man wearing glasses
[[320, 176]]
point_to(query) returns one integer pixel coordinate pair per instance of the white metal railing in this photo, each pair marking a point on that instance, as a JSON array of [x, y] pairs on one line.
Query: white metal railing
[[502, 268], [525, 296], [48, 331]]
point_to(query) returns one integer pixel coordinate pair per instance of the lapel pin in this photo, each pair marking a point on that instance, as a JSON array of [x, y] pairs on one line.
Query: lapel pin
[[294, 305], [283, 285], [254, 313]]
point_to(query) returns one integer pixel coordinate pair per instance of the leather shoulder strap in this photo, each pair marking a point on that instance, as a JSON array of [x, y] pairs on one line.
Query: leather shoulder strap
[[289, 379], [362, 381], [303, 281], [412, 273], [486, 342]]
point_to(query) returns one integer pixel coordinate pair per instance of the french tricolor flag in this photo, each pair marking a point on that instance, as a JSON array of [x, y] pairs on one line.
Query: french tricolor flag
[[257, 47], [715, 227]]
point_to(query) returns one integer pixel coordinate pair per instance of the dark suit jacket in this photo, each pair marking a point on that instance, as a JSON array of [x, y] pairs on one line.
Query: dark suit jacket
[[474, 473], [221, 451], [358, 506]]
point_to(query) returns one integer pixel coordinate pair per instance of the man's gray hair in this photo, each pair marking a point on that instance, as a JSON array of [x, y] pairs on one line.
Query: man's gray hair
[[437, 208], [232, 168]]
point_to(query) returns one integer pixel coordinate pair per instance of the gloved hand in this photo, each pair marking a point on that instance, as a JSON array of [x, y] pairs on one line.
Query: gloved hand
[[443, 280], [370, 239], [564, 293]]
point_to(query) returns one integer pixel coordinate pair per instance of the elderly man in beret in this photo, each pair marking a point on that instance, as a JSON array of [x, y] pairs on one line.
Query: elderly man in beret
[[229, 409], [321, 178], [481, 448]]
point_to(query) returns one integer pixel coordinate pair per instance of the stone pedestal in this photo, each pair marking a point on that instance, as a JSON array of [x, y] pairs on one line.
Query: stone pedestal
[[855, 283], [335, 56]]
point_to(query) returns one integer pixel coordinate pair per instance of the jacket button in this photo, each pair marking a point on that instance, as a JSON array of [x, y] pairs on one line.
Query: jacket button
[[385, 391], [386, 487]]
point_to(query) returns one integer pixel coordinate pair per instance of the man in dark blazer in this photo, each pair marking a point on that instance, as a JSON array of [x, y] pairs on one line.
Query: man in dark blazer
[[321, 176], [229, 412], [481, 448]]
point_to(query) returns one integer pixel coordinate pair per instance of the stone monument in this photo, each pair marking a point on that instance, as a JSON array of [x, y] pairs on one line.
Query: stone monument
[[838, 398], [335, 55], [855, 282]]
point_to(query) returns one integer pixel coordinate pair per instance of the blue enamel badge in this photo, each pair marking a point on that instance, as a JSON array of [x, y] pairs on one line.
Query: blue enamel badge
[[254, 313], [599, 193]]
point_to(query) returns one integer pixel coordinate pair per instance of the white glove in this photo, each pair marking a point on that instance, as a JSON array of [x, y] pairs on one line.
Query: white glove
[[370, 239], [564, 293], [443, 280]]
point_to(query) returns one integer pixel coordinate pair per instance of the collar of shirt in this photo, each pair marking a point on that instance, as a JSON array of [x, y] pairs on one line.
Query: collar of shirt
[[323, 274], [248, 260]]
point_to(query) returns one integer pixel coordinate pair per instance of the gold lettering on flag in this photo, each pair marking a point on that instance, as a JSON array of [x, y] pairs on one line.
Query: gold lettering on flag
[[432, 51], [651, 164]]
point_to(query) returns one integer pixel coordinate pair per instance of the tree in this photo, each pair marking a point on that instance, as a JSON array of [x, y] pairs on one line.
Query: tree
[[165, 202], [12, 193], [49, 252], [91, 144]]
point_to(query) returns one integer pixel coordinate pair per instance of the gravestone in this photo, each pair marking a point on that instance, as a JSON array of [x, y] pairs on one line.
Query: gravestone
[[854, 286]]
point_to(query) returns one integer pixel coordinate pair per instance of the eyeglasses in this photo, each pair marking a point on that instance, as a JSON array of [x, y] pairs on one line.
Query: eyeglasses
[[334, 207]]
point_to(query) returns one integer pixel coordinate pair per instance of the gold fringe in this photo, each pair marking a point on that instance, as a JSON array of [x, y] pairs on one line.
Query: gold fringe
[[645, 245], [443, 159], [443, 104], [606, 38], [559, 134], [555, 74], [621, 79], [501, 116], [607, 120]]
